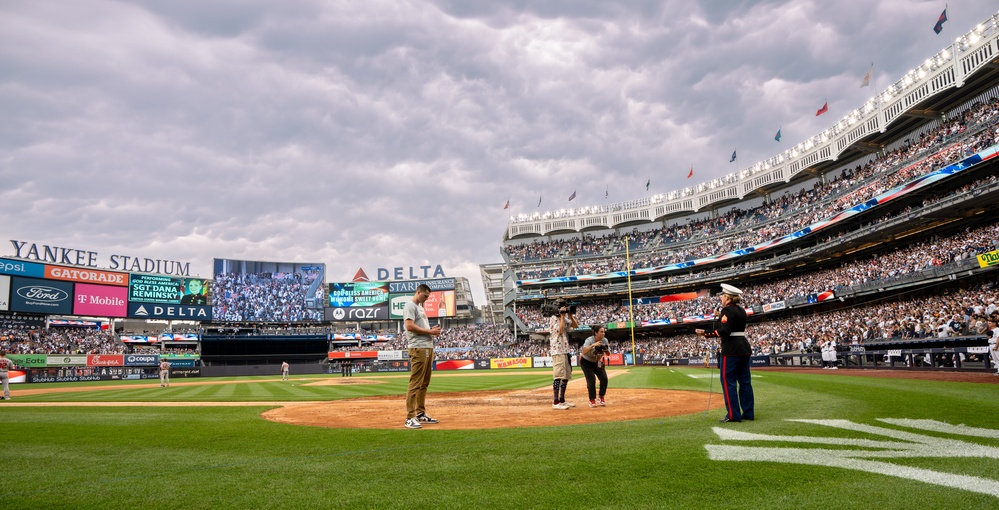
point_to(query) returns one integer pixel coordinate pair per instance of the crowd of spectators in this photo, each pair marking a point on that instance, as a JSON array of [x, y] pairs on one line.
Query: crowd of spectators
[[959, 312], [61, 341], [266, 297], [974, 130], [881, 269]]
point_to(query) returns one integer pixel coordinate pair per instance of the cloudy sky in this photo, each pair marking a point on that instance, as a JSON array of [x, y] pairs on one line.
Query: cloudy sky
[[367, 134]]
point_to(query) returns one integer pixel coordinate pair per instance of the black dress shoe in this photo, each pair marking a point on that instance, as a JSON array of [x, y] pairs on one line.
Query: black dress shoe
[[726, 420]]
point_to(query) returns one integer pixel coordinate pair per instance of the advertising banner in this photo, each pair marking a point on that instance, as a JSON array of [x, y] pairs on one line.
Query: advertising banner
[[439, 304], [989, 259], [357, 313], [542, 362], [141, 360], [21, 321], [620, 325], [21, 268], [392, 355], [170, 312], [4, 293], [772, 307], [106, 360], [409, 286], [100, 300], [178, 363], [353, 355], [70, 360], [455, 364], [482, 364], [65, 374], [29, 360], [759, 361], [79, 274], [41, 296], [614, 359], [510, 363]]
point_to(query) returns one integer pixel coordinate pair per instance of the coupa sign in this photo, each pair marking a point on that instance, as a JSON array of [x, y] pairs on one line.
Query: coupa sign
[[141, 360]]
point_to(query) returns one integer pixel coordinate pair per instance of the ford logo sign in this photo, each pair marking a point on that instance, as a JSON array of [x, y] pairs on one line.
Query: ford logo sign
[[42, 293]]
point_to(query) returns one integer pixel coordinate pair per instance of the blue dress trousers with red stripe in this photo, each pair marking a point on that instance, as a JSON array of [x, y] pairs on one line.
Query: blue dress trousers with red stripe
[[734, 363]]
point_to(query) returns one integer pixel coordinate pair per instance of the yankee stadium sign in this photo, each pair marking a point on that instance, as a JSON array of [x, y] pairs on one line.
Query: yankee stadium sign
[[72, 256]]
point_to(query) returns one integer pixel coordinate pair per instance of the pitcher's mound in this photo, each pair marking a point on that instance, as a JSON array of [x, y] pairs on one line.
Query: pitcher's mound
[[495, 409]]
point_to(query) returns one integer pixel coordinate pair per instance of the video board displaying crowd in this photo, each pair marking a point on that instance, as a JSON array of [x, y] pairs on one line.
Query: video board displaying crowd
[[255, 291]]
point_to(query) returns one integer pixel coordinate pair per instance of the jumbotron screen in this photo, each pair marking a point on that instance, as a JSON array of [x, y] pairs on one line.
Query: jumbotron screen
[[255, 291], [147, 288]]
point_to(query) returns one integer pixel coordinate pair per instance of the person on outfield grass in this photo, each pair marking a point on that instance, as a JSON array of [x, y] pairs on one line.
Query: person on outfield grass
[[733, 363], [284, 370], [591, 361], [164, 373], [6, 365], [419, 336], [561, 362], [993, 343]]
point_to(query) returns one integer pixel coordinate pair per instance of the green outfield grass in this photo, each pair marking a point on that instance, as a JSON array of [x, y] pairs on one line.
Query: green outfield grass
[[228, 457]]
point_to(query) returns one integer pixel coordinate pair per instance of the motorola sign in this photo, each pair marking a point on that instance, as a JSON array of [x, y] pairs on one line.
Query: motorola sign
[[164, 311], [357, 313]]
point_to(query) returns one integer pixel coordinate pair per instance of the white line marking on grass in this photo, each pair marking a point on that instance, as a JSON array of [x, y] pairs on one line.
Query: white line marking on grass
[[907, 445], [937, 426]]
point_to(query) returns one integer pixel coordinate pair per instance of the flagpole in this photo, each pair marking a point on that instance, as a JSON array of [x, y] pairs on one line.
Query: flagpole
[[631, 305]]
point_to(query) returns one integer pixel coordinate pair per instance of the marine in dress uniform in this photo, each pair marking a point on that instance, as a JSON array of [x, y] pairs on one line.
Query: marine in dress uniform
[[733, 363]]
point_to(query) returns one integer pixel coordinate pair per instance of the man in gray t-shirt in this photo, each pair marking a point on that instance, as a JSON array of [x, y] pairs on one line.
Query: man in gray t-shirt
[[419, 335]]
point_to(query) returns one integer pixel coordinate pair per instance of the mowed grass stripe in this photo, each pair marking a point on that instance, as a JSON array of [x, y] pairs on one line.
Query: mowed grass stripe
[[231, 458]]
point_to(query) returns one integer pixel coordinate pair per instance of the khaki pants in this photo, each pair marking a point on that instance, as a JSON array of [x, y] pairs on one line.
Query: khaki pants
[[421, 362], [5, 380], [164, 378]]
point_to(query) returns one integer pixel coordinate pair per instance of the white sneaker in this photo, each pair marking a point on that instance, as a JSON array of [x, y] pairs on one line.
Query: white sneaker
[[413, 423], [561, 407], [570, 404]]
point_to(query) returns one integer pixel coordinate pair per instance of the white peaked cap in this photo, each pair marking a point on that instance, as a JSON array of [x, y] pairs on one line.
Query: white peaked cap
[[730, 290]]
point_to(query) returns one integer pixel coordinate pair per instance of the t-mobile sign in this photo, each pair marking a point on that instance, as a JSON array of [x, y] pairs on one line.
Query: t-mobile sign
[[100, 300]]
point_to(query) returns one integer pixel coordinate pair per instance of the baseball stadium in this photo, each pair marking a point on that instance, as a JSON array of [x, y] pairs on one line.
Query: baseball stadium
[[866, 259]]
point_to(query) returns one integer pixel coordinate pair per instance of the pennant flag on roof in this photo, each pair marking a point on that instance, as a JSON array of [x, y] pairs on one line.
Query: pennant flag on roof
[[691, 172], [777, 137], [539, 199], [360, 276], [940, 21], [868, 76], [824, 109], [733, 157], [606, 192], [572, 196], [647, 183], [507, 206]]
